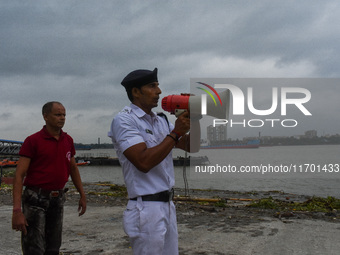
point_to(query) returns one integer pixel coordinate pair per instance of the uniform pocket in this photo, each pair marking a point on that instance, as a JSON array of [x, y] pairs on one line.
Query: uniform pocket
[[131, 220], [150, 141]]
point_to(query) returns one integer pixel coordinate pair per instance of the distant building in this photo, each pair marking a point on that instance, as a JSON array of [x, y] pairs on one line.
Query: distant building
[[311, 134], [215, 134]]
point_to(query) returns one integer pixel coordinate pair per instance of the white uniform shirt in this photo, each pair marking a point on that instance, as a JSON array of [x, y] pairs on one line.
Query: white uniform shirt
[[130, 127]]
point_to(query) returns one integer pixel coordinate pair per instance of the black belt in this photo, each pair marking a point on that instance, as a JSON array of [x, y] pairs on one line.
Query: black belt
[[164, 196], [45, 192]]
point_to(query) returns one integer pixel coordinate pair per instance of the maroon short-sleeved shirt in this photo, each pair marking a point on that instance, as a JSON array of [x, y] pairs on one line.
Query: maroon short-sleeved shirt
[[50, 159]]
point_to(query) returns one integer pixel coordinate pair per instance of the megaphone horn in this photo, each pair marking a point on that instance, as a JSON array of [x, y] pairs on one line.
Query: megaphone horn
[[202, 104]]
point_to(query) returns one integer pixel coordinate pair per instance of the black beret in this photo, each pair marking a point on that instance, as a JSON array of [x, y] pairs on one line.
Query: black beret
[[140, 77]]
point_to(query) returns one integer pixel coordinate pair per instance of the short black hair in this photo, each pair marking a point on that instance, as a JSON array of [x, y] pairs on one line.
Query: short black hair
[[47, 108]]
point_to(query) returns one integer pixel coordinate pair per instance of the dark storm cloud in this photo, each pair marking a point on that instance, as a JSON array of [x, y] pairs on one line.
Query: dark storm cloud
[[77, 52]]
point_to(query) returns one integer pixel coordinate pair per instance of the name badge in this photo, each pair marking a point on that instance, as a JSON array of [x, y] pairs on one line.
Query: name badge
[[148, 131]]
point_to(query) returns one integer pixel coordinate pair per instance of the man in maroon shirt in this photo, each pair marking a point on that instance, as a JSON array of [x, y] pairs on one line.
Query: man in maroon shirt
[[45, 164]]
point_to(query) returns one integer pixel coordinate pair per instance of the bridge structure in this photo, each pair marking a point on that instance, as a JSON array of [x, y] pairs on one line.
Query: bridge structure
[[9, 147]]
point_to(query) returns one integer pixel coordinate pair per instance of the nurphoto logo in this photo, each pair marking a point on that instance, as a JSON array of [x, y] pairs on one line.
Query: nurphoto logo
[[295, 96]]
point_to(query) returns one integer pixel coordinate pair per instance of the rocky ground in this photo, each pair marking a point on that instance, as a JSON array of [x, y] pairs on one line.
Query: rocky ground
[[216, 222]]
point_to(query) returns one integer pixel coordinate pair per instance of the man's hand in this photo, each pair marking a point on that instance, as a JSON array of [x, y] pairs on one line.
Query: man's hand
[[19, 222], [189, 142], [182, 124], [82, 206]]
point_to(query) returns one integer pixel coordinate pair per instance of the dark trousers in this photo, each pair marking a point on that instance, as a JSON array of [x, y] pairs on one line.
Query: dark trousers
[[44, 215]]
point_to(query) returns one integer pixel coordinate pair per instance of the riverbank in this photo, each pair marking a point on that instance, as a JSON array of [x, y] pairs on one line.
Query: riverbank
[[220, 223]]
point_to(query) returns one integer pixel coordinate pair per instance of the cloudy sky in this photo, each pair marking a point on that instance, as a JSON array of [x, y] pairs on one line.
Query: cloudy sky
[[77, 52]]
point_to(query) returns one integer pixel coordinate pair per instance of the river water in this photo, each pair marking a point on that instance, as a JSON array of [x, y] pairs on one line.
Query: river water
[[305, 170]]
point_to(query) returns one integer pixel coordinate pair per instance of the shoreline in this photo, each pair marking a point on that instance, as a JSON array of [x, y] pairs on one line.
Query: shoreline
[[204, 228]]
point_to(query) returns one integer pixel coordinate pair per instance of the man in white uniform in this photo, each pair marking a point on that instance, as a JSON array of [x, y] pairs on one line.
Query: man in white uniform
[[144, 141]]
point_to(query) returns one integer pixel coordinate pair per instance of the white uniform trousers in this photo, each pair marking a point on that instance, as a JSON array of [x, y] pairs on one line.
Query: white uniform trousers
[[151, 227]]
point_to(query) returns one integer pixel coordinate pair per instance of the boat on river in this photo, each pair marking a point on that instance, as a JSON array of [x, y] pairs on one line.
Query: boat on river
[[8, 163], [83, 163]]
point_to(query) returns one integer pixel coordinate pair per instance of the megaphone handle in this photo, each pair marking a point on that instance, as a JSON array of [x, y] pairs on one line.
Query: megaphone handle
[[179, 112]]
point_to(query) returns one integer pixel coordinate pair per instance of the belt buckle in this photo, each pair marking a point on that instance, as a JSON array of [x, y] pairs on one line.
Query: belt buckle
[[54, 193]]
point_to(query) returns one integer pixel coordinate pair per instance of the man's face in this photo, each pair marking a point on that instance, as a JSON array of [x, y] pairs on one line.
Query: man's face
[[56, 118], [149, 95]]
